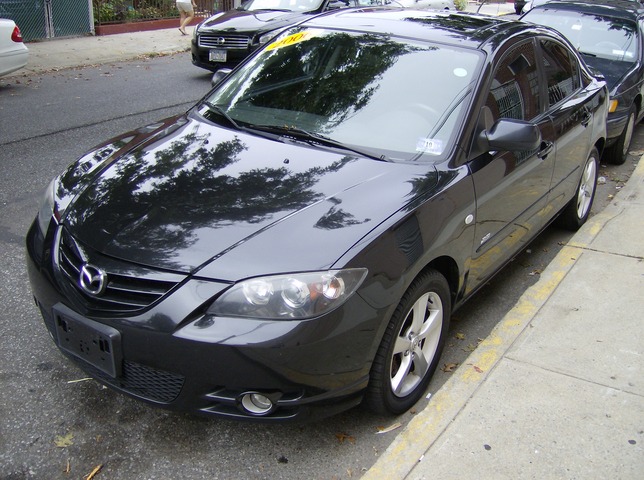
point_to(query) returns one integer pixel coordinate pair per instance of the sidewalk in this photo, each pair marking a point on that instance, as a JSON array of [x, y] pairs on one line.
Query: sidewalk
[[60, 54], [557, 389]]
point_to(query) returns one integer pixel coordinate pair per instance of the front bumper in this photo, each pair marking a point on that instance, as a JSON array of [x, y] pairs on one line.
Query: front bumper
[[200, 57], [615, 124], [170, 357]]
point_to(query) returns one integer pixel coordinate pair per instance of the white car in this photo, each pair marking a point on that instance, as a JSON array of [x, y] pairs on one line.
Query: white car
[[13, 52]]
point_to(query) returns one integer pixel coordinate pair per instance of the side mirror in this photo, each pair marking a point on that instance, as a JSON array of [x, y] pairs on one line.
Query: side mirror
[[219, 75], [510, 135]]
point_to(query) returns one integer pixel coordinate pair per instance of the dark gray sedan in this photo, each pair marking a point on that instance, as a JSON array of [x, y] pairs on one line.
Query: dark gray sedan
[[297, 242]]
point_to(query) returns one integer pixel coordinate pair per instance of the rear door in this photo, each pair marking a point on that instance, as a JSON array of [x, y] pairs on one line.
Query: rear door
[[570, 108]]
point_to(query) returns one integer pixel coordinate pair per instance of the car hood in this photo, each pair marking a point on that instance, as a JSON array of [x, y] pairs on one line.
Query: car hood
[[614, 72], [191, 193], [249, 21]]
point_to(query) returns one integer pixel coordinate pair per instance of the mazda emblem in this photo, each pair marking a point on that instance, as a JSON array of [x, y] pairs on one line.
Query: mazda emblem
[[92, 279]]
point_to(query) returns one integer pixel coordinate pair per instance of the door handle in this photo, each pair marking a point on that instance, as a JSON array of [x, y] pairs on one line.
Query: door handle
[[586, 117], [544, 149]]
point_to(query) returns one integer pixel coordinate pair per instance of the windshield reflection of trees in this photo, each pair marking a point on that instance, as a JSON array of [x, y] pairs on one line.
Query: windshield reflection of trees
[[332, 76], [177, 189]]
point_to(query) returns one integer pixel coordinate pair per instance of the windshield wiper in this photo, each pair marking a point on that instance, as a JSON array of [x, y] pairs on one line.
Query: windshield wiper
[[243, 128], [223, 113], [313, 138]]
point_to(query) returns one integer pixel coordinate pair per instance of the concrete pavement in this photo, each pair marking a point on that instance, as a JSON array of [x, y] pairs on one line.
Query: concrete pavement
[[60, 54], [557, 389]]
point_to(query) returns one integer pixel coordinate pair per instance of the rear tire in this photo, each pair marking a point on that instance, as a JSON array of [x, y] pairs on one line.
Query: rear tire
[[575, 214], [617, 153], [411, 346]]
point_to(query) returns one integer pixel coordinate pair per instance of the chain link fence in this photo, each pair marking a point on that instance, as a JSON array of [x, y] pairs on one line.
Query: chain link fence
[[49, 18]]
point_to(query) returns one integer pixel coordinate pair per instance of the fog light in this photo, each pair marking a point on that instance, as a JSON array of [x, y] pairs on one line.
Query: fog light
[[256, 403]]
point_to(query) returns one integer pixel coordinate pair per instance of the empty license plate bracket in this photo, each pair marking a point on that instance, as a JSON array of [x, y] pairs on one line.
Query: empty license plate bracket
[[95, 343]]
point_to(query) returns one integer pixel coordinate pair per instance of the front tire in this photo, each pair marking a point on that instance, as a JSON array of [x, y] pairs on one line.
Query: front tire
[[575, 214], [617, 153], [411, 346]]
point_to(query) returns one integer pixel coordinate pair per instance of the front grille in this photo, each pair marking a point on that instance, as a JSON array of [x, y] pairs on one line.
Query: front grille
[[226, 41], [123, 293], [139, 380]]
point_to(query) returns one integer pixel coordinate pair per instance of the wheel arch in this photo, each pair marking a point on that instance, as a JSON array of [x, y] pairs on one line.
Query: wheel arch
[[600, 144], [448, 268]]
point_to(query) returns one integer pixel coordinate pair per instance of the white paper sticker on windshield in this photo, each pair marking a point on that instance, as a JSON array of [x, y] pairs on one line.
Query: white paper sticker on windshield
[[460, 72], [432, 146]]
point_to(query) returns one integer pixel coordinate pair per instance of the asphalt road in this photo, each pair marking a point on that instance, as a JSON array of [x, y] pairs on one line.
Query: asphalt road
[[54, 423]]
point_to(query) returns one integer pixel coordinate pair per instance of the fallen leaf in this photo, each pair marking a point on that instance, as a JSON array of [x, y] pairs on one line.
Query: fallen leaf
[[64, 441], [94, 472], [449, 367], [68, 468], [469, 348], [460, 336], [343, 436], [388, 429], [477, 369]]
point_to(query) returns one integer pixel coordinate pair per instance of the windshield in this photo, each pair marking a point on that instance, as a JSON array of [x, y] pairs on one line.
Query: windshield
[[599, 36], [285, 5], [398, 99]]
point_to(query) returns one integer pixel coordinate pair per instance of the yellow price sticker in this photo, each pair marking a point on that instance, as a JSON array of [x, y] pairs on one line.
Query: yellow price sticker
[[291, 40]]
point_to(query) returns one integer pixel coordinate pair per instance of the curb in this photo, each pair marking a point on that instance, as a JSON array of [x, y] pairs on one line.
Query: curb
[[410, 446]]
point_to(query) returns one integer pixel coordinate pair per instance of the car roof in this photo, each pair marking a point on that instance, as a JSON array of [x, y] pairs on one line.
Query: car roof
[[626, 9], [468, 30]]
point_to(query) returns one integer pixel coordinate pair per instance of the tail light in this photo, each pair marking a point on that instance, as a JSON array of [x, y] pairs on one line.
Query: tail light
[[16, 36]]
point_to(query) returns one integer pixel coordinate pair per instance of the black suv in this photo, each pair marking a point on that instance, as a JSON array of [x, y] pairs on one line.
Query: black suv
[[609, 36], [225, 39]]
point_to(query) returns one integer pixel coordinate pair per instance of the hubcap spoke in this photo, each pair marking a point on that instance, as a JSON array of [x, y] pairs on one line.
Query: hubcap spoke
[[401, 345], [420, 362], [433, 321], [419, 312], [398, 381]]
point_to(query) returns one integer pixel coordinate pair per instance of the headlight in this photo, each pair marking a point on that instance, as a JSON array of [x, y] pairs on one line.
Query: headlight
[[47, 207], [265, 38], [612, 105], [293, 296]]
